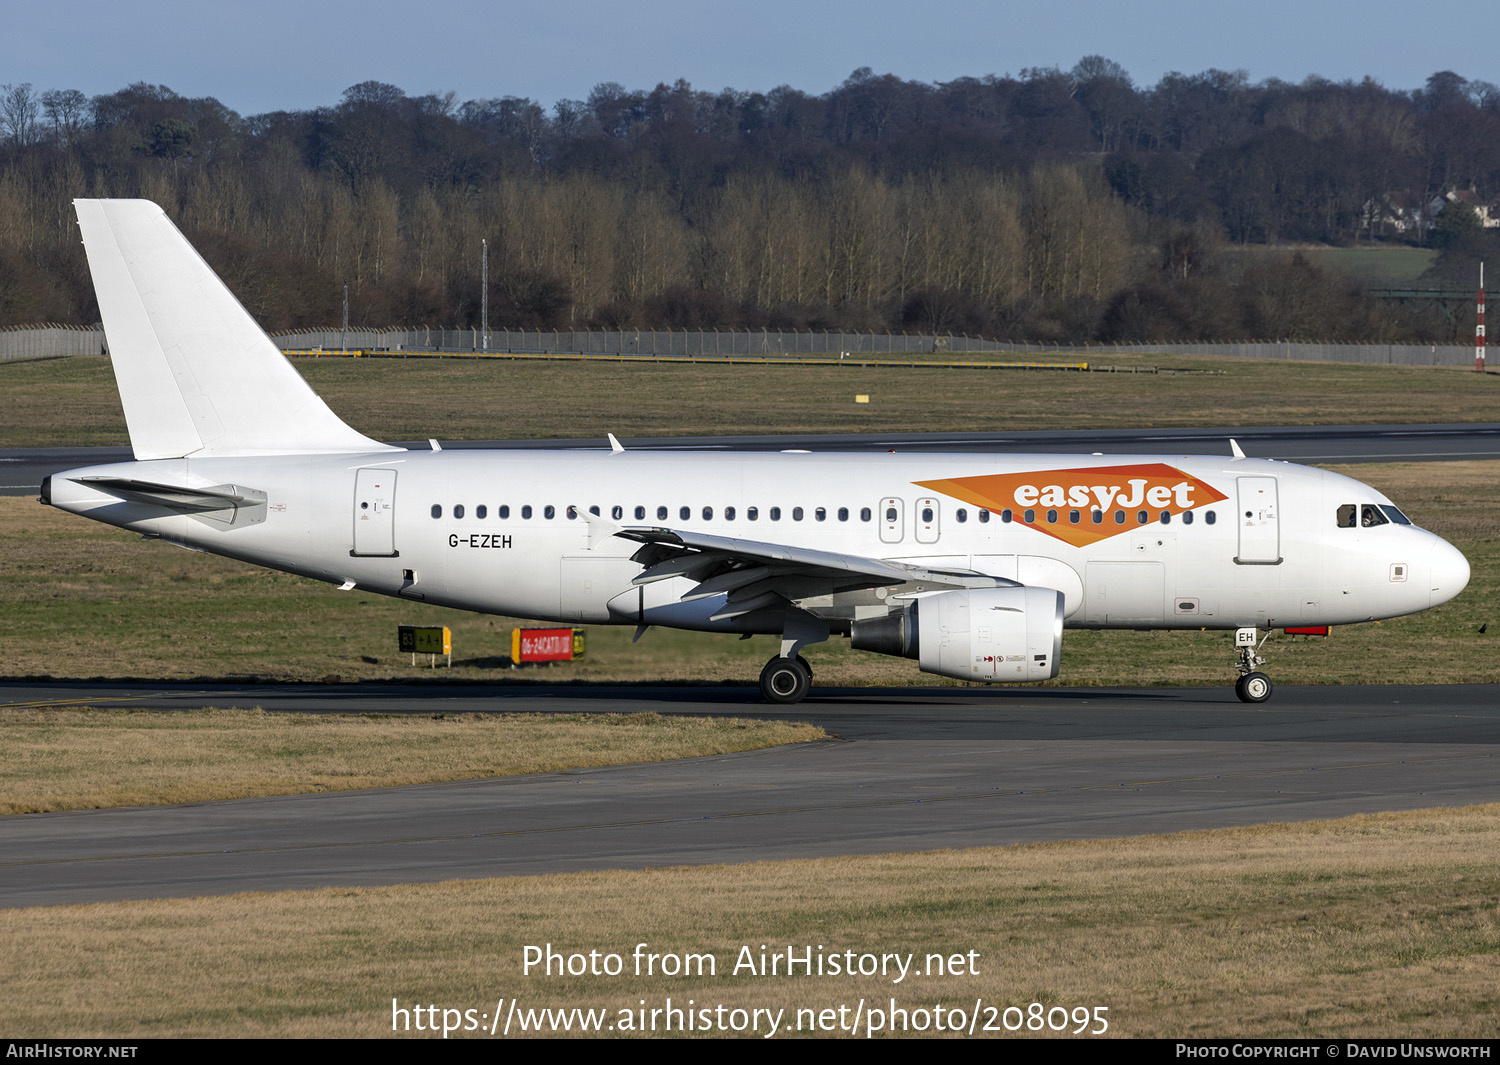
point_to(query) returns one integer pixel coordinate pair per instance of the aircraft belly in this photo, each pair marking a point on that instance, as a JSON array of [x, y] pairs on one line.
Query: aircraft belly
[[586, 585], [1122, 593]]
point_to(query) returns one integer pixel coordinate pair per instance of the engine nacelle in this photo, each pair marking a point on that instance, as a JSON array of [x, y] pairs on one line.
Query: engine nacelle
[[987, 634]]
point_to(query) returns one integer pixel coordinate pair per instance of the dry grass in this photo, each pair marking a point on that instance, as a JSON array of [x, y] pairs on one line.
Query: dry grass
[[73, 401], [83, 600], [1381, 925], [79, 759]]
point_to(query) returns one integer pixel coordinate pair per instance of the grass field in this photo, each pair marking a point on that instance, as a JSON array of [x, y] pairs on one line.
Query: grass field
[[1375, 926], [1372, 265], [73, 401], [66, 758], [83, 600]]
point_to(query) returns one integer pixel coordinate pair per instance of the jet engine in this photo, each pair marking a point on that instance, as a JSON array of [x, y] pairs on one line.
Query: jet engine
[[986, 634]]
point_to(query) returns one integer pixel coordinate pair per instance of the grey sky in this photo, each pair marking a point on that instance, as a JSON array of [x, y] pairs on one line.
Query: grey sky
[[279, 54]]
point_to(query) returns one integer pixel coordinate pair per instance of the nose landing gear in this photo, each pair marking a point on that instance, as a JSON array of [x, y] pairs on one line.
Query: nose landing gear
[[1253, 685]]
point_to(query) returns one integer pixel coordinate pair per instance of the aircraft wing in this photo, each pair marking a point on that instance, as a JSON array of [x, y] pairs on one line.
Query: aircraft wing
[[753, 574]]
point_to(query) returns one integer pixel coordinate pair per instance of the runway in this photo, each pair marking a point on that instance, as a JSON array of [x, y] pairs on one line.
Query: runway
[[22, 469], [911, 769]]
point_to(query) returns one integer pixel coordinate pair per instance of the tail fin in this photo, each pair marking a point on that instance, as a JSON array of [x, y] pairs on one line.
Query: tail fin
[[197, 375]]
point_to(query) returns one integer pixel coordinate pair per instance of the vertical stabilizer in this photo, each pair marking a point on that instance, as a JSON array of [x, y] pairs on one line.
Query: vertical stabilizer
[[197, 375]]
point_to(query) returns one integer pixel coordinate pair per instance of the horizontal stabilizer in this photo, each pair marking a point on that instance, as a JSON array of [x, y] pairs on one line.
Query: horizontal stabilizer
[[226, 504], [171, 495]]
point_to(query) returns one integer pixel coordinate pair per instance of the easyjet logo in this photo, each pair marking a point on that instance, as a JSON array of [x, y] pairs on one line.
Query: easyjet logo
[[1082, 507]]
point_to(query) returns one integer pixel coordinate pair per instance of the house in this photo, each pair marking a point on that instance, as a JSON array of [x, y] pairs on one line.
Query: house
[[1489, 213]]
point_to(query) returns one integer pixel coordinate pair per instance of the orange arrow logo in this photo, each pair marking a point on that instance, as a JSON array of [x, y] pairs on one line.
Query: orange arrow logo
[[1082, 507]]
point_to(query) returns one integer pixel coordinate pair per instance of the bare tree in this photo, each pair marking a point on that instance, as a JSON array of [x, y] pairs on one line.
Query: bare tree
[[19, 109], [65, 109]]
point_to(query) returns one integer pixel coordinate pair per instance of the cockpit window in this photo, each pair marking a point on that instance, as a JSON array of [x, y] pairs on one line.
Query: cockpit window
[[1346, 516], [1394, 513], [1370, 516]]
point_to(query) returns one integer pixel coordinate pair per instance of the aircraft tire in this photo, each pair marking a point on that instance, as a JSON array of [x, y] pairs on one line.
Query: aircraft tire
[[785, 680], [1253, 688]]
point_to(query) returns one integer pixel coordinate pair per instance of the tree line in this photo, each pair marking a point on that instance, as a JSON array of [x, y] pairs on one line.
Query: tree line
[[1066, 205]]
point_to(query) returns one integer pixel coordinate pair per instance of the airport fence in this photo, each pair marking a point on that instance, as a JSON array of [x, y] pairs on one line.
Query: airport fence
[[705, 343], [50, 341]]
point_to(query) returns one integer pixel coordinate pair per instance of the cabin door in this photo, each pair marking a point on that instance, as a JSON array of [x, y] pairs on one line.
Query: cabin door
[[1260, 533], [375, 513]]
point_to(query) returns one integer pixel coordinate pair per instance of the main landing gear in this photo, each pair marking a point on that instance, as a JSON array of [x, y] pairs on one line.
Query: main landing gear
[[1253, 685], [785, 680]]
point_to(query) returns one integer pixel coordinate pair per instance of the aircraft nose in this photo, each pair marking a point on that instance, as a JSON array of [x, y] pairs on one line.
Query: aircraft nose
[[1450, 572]]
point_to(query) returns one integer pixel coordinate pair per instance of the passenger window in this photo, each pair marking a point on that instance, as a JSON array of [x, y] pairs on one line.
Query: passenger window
[[864, 514], [617, 512], [1210, 517], [843, 513], [1073, 517], [752, 513], [1029, 517], [1141, 517], [926, 515], [437, 510], [1051, 517], [684, 513], [526, 512], [775, 513], [1097, 517], [728, 513], [640, 513], [1187, 517], [661, 513], [821, 514], [458, 510], [572, 513], [595, 511], [480, 511], [796, 513], [708, 513], [890, 514], [1005, 515], [1346, 516], [549, 512], [502, 511], [1119, 517], [1166, 517], [961, 515]]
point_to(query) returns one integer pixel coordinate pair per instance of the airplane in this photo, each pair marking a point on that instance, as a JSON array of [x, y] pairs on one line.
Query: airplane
[[973, 565]]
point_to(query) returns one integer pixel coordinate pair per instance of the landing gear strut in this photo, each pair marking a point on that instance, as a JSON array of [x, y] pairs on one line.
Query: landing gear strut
[[1253, 685], [785, 680]]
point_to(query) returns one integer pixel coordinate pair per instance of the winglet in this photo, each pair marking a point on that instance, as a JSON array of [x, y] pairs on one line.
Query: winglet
[[614, 445], [1234, 448]]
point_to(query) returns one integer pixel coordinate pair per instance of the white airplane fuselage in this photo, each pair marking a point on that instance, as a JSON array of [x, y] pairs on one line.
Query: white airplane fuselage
[[1228, 566]]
